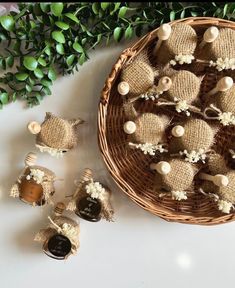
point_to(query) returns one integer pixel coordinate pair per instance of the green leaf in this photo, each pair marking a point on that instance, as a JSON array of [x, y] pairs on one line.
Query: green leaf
[[72, 17], [182, 14], [7, 22], [70, 60], [172, 16], [28, 88], [82, 59], [2, 63], [30, 63], [10, 61], [48, 50], [42, 61], [57, 8], [62, 25], [31, 81], [128, 32], [122, 12], [47, 90], [45, 7], [14, 95], [38, 73], [95, 8], [77, 47], [60, 48], [51, 74], [225, 10], [104, 5], [194, 14], [22, 76], [32, 24], [46, 83], [4, 98], [58, 36], [117, 33]]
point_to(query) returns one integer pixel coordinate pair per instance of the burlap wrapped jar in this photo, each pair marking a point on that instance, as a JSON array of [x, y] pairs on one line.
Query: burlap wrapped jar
[[149, 129], [221, 51], [91, 200], [55, 135], [198, 137], [60, 226], [185, 86], [182, 41], [178, 181], [225, 101]]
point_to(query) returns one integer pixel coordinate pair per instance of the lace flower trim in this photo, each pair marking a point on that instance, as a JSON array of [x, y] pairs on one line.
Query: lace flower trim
[[223, 64], [96, 190], [58, 153], [181, 106], [226, 118], [37, 175], [153, 93], [149, 148], [182, 59], [224, 206], [194, 156], [176, 195]]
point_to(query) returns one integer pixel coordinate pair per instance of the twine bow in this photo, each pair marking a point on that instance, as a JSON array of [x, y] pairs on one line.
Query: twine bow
[[225, 118]]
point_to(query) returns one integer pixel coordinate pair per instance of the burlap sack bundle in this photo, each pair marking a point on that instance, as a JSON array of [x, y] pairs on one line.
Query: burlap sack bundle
[[181, 176], [58, 133], [222, 47], [185, 86], [182, 40], [225, 101], [198, 135], [217, 164]]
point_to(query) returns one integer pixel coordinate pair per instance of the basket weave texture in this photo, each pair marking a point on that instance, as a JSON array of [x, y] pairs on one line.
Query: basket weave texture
[[130, 168]]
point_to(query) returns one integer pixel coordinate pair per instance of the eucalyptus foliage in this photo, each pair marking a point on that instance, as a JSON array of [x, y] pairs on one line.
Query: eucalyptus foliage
[[48, 39]]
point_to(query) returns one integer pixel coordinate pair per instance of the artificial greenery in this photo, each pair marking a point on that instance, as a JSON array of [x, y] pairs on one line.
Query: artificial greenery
[[47, 39]]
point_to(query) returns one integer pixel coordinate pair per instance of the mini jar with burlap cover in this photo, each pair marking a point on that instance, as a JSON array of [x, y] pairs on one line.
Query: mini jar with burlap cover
[[61, 236], [55, 135], [179, 48], [146, 131], [91, 200], [35, 184]]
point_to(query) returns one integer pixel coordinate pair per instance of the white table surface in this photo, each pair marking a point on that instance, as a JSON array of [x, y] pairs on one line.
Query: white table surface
[[137, 250]]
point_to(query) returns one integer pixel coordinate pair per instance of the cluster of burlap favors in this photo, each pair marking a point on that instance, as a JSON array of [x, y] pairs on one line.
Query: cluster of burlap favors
[[55, 135], [187, 116]]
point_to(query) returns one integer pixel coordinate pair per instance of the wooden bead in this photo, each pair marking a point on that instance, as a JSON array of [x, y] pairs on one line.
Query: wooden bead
[[30, 159], [34, 127], [177, 131], [129, 127], [161, 167], [59, 208], [123, 88], [87, 174]]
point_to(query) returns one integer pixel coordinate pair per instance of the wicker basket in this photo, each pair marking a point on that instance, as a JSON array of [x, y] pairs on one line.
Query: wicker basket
[[131, 170]]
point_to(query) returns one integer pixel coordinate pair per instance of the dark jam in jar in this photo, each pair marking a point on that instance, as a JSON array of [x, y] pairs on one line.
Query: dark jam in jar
[[58, 247], [89, 209]]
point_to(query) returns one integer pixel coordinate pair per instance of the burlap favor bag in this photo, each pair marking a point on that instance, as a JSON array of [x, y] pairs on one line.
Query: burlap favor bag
[[179, 47], [196, 141], [178, 181], [221, 52], [147, 131], [55, 135]]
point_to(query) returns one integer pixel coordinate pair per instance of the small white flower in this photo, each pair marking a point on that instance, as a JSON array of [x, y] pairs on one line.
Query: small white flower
[[224, 206], [179, 195], [149, 148], [37, 175], [181, 59], [223, 64], [58, 153], [96, 190], [181, 106], [28, 177], [194, 156], [226, 118]]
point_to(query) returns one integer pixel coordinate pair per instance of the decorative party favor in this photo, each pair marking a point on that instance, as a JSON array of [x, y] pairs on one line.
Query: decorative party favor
[[91, 200], [60, 238], [55, 135], [177, 44], [176, 176], [35, 184]]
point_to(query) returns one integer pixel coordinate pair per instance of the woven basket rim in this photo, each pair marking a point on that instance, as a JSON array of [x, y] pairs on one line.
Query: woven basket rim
[[125, 56]]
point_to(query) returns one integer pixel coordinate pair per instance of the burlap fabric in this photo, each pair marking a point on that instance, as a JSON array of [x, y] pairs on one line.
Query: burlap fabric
[[223, 46], [225, 101], [180, 177], [217, 164], [185, 86], [198, 135], [227, 193], [183, 40], [58, 133]]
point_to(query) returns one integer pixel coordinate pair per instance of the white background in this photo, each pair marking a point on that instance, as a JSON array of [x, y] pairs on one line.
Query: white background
[[137, 250]]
